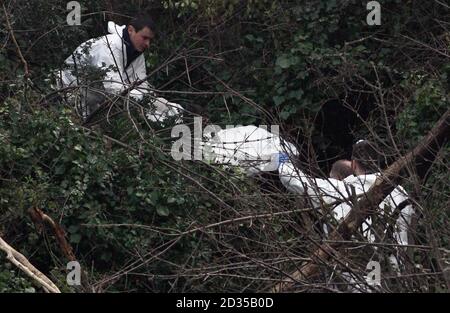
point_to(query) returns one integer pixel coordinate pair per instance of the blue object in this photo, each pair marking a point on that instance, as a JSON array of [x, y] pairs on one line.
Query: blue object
[[282, 158]]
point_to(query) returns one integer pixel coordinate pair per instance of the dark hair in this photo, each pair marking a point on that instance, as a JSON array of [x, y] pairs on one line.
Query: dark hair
[[367, 155], [341, 169], [141, 21]]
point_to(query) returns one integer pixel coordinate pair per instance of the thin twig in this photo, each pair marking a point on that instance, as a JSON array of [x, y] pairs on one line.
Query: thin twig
[[19, 52]]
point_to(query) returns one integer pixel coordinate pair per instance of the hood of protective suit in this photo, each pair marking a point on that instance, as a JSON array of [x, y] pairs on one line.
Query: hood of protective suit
[[122, 32], [113, 28]]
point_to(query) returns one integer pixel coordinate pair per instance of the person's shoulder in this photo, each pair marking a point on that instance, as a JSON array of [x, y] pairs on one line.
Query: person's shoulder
[[352, 179], [115, 29], [85, 49], [399, 193], [106, 46], [365, 180], [112, 39], [237, 134], [349, 179], [94, 42], [139, 61]]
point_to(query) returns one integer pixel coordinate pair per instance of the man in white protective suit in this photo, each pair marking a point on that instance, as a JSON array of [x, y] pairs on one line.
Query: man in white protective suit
[[364, 166], [253, 149], [117, 61]]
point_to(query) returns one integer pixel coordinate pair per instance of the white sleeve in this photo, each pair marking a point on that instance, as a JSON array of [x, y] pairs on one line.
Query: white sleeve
[[75, 65], [109, 56], [109, 59], [402, 225], [319, 190], [393, 200], [140, 73]]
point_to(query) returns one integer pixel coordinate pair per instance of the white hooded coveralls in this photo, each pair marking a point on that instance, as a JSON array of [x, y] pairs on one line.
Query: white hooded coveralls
[[108, 53], [330, 190]]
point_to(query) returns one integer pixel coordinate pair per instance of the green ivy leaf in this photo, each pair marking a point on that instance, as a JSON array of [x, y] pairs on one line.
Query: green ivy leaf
[[171, 200], [283, 62], [285, 115], [60, 170], [296, 94], [75, 238], [278, 100], [73, 229], [162, 211]]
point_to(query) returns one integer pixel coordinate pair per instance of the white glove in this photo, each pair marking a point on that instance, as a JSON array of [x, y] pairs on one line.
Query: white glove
[[164, 109]]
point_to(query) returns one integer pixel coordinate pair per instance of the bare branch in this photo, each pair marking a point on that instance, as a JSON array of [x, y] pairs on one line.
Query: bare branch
[[24, 265]]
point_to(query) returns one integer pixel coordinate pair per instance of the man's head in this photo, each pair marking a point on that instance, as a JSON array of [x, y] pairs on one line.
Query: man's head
[[341, 169], [142, 31], [365, 158]]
